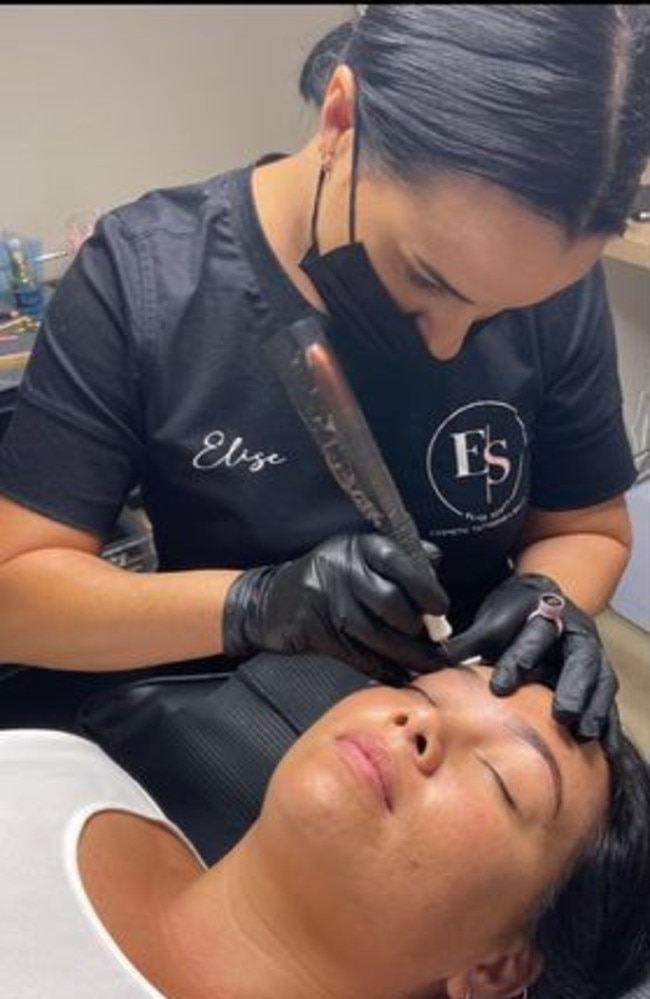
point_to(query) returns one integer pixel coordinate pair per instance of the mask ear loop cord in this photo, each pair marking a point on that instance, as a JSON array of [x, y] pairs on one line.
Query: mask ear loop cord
[[324, 170], [356, 141]]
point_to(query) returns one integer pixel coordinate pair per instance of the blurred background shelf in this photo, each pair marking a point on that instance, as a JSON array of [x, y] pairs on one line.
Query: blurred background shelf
[[633, 247], [628, 648]]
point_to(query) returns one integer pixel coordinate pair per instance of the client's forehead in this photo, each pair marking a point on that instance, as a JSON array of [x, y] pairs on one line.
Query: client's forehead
[[473, 681], [469, 678]]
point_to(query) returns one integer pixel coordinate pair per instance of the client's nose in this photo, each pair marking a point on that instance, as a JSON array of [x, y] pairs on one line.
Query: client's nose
[[428, 750], [422, 729]]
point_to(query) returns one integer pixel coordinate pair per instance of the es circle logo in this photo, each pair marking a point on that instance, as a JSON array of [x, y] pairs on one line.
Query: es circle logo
[[475, 460]]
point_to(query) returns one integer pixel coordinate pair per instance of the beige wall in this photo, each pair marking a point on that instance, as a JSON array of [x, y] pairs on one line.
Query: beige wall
[[629, 293], [102, 102]]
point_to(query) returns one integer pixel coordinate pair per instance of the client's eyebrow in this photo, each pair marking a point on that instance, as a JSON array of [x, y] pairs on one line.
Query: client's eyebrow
[[524, 730]]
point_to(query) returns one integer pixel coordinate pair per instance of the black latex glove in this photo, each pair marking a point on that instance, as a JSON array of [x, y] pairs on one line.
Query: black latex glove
[[356, 597], [573, 663]]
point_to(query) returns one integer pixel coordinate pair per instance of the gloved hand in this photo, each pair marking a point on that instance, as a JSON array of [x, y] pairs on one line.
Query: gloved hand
[[357, 597], [572, 661]]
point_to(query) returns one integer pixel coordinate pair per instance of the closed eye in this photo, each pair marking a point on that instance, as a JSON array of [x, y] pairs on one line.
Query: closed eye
[[501, 784], [424, 283]]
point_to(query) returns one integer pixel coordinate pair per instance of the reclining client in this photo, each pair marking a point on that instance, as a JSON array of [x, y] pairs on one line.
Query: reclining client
[[426, 841]]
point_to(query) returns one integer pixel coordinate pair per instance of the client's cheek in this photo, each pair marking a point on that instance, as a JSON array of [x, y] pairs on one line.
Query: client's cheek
[[456, 840]]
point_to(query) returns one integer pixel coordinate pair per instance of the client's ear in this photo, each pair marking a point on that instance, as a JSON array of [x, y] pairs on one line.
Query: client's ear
[[498, 977]]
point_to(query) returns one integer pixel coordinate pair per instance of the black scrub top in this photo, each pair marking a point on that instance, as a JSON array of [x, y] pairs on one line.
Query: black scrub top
[[149, 369]]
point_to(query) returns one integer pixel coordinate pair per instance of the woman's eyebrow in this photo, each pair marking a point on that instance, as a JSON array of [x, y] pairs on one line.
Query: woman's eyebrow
[[423, 692], [525, 731]]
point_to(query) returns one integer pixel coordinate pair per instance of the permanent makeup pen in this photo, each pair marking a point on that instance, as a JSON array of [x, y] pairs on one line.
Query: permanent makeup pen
[[308, 368]]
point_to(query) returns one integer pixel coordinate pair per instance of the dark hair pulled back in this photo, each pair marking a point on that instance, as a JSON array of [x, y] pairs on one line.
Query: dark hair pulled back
[[549, 101]]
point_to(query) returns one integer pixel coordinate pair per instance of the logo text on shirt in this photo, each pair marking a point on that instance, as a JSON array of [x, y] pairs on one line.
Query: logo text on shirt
[[218, 451], [476, 460]]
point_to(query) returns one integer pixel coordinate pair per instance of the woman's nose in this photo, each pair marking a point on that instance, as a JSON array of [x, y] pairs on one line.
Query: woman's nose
[[444, 337], [423, 733]]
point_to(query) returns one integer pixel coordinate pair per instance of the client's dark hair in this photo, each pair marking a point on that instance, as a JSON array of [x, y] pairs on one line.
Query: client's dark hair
[[549, 101], [594, 931]]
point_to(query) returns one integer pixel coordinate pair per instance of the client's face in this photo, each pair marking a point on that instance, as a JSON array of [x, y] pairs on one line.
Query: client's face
[[429, 820]]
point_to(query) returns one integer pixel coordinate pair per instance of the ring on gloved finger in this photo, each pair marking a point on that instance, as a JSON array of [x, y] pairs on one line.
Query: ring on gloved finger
[[550, 606]]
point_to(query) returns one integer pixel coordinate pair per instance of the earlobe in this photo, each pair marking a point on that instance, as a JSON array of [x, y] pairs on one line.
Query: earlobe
[[503, 977]]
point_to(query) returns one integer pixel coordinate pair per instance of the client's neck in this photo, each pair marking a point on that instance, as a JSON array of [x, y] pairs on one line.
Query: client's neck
[[249, 935], [235, 931]]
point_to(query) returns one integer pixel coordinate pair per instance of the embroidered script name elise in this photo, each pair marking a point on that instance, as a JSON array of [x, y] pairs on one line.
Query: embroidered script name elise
[[219, 451]]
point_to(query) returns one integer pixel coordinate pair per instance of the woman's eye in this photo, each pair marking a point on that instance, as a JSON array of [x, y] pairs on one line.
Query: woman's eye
[[502, 786], [424, 283]]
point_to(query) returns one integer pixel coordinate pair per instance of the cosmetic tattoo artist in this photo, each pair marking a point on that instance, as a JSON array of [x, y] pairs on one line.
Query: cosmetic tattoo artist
[[446, 222]]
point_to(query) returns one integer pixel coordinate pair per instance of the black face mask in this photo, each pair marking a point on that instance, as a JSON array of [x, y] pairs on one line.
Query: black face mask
[[365, 319], [362, 311]]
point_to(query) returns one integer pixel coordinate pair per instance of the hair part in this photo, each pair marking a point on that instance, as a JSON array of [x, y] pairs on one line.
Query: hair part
[[548, 101]]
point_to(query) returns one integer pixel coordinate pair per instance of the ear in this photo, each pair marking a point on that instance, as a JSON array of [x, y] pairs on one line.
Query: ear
[[499, 977], [337, 110]]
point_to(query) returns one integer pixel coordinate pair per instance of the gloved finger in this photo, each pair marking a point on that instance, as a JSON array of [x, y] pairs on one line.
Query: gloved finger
[[523, 655], [388, 560], [467, 644], [592, 722], [612, 737], [582, 658], [497, 624]]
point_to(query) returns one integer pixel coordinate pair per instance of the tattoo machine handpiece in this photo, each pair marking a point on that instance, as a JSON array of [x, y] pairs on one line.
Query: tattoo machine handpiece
[[320, 393]]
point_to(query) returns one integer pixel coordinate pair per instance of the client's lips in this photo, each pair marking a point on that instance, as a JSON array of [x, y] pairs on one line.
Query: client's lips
[[370, 759]]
